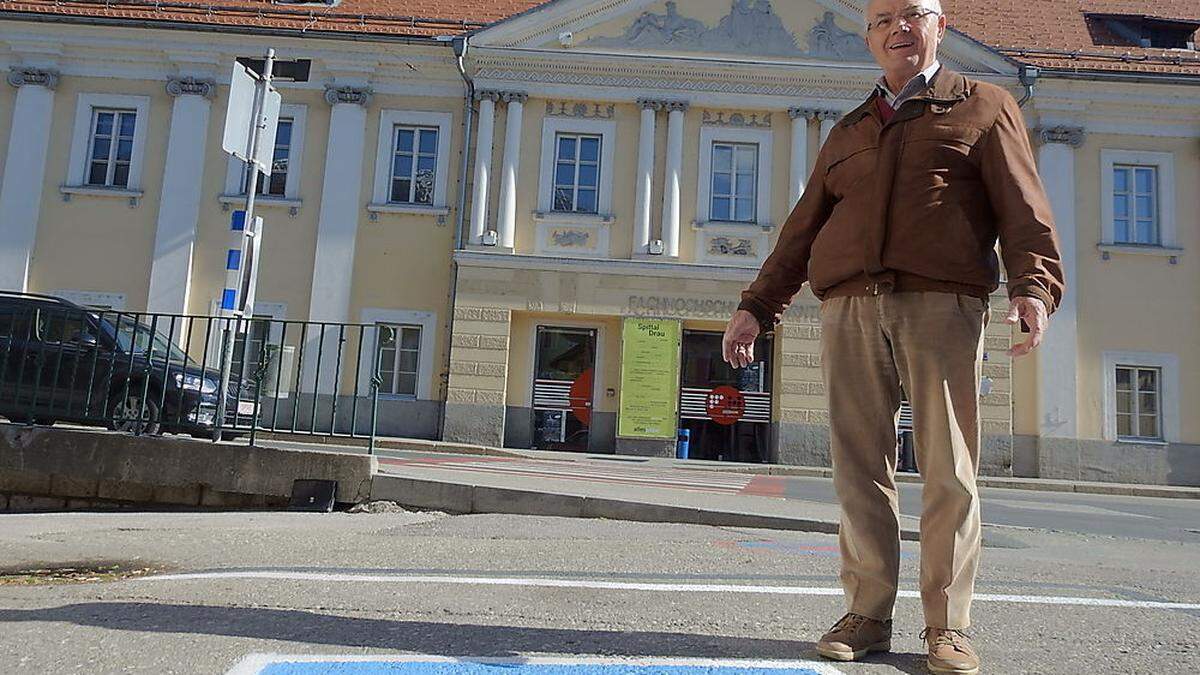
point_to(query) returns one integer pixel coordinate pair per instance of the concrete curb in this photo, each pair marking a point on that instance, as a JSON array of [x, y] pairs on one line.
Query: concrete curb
[[113, 467], [409, 444], [466, 498], [1011, 483]]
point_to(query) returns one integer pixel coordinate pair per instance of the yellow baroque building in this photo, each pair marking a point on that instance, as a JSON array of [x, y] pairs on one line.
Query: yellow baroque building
[[557, 204]]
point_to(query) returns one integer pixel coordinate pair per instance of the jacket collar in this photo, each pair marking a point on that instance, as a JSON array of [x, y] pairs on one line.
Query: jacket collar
[[947, 88]]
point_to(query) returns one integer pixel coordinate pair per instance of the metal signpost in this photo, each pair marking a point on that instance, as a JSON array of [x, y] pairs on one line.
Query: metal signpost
[[251, 120]]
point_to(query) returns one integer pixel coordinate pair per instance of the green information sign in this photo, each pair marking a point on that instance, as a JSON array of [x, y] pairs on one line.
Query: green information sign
[[649, 379]]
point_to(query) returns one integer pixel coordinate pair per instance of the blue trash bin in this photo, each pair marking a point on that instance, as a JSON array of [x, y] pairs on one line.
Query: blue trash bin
[[682, 443]]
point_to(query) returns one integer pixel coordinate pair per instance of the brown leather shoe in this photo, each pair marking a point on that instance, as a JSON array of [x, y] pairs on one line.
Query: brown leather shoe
[[950, 652], [854, 636]]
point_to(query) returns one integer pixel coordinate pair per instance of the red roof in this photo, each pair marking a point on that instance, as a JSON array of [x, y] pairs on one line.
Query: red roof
[[423, 18], [1058, 34], [1049, 33]]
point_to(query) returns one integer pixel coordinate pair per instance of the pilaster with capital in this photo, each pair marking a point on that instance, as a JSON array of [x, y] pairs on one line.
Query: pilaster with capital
[[645, 174], [829, 119], [24, 172], [179, 205], [1058, 357], [21, 76], [484, 148], [506, 219], [353, 95], [1072, 136], [191, 86], [672, 177], [798, 176]]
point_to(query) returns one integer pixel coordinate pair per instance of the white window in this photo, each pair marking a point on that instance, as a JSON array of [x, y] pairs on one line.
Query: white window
[[414, 165], [259, 334], [284, 181], [111, 147], [401, 343], [1141, 397], [734, 182], [1139, 413], [275, 185], [1135, 205], [413, 162], [1138, 199], [399, 358], [577, 173], [108, 142], [735, 176]]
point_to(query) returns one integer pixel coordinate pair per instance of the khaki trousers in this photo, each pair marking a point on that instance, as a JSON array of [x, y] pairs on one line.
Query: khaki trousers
[[932, 345]]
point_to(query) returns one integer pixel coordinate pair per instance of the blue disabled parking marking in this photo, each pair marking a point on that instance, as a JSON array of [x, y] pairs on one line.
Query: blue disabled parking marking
[[274, 664]]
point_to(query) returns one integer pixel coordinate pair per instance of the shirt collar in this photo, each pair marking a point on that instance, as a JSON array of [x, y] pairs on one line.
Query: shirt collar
[[914, 86]]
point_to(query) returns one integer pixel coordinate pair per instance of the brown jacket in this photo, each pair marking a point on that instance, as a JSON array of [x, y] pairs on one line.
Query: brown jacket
[[917, 204]]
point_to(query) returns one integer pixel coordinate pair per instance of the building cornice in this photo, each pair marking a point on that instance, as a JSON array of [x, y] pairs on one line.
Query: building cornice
[[607, 266], [639, 74]]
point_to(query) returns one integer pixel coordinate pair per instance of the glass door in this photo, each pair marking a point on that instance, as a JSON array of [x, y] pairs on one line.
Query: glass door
[[564, 373], [727, 411]]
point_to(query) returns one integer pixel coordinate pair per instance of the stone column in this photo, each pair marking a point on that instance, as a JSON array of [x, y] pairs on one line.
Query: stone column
[[506, 221], [179, 204], [337, 225], [24, 173], [799, 167], [671, 184], [828, 118], [475, 399], [645, 177], [484, 146], [1058, 384]]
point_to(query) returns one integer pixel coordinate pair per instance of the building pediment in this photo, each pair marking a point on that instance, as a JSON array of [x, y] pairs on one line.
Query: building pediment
[[803, 31]]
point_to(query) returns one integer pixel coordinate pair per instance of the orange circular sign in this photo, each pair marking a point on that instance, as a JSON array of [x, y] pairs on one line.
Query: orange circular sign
[[725, 405], [580, 397]]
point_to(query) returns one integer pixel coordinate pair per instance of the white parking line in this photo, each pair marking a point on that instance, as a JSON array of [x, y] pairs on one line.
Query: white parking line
[[640, 586], [254, 664]]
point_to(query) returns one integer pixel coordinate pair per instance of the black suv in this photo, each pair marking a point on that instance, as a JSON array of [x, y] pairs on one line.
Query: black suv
[[63, 362]]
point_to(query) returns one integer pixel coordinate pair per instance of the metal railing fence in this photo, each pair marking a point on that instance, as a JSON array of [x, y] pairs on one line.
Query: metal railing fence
[[150, 373]]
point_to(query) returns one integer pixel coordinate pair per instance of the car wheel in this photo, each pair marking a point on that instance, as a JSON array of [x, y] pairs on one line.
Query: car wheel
[[128, 415]]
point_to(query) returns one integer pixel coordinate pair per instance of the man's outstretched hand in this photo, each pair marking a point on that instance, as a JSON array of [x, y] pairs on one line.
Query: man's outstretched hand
[[738, 344], [1033, 312]]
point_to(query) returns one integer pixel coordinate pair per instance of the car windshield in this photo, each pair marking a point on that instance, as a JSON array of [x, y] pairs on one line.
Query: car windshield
[[138, 338]]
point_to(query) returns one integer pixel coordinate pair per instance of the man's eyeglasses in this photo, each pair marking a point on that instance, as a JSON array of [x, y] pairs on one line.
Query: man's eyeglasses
[[910, 16]]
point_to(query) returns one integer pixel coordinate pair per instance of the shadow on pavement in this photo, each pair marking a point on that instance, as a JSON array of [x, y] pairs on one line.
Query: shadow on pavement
[[424, 637]]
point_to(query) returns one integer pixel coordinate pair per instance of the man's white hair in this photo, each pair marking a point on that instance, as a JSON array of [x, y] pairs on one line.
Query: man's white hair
[[935, 5]]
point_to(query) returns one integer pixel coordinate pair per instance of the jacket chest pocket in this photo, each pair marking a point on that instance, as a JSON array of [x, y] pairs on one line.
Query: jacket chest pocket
[[941, 140], [845, 173]]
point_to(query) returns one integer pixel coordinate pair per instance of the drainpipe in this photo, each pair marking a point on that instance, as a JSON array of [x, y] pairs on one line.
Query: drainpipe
[[460, 45], [1029, 78]]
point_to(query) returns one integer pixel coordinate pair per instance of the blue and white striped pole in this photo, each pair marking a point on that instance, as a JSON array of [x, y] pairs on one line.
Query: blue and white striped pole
[[242, 229], [233, 264]]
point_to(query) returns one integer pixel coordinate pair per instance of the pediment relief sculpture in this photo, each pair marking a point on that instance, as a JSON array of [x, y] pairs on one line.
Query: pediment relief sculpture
[[751, 28]]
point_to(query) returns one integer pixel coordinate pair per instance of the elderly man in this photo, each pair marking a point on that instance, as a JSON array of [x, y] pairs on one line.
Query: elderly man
[[896, 235]]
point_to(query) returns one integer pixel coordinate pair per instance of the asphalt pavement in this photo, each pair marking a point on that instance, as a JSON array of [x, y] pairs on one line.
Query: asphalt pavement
[[369, 592]]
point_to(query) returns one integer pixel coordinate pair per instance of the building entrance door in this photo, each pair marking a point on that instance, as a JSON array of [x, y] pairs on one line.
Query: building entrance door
[[727, 411], [564, 373]]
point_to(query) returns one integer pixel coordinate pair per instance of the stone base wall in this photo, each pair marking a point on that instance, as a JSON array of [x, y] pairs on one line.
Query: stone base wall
[[1110, 461], [645, 448]]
